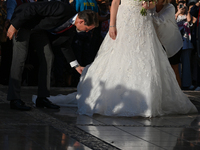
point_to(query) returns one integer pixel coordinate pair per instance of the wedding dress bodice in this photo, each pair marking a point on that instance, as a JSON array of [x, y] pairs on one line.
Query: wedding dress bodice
[[131, 2]]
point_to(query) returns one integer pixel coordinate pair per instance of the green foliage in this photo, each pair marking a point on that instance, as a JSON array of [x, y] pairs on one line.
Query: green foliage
[[143, 11]]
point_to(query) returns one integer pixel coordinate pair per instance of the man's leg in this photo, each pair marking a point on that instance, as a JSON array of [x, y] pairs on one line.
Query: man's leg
[[20, 50], [45, 56], [6, 58]]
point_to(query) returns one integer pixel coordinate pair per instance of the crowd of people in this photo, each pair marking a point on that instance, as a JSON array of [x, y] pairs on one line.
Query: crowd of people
[[187, 24]]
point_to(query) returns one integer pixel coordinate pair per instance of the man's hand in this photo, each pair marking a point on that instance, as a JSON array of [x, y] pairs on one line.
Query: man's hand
[[29, 67], [11, 32], [79, 69]]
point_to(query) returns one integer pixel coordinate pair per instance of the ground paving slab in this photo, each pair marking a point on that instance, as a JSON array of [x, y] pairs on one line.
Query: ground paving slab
[[64, 129]]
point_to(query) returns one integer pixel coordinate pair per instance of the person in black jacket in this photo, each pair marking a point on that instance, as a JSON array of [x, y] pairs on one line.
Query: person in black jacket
[[56, 23]]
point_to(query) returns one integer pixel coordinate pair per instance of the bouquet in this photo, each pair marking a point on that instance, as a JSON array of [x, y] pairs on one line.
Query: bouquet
[[143, 11]]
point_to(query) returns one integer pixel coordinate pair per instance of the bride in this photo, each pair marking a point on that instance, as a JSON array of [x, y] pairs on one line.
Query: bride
[[131, 75]]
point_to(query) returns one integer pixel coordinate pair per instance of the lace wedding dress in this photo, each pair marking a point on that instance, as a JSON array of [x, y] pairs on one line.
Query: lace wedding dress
[[131, 76]]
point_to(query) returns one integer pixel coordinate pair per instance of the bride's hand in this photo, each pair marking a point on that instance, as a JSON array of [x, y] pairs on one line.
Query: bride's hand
[[113, 32]]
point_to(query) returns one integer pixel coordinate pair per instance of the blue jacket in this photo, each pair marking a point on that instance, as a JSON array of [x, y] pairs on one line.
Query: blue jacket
[[81, 5], [11, 5]]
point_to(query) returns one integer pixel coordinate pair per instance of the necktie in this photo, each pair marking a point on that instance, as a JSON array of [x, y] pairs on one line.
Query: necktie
[[65, 29]]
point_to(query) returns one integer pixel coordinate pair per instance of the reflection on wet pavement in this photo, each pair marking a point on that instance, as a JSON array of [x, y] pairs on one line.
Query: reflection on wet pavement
[[20, 131], [64, 129]]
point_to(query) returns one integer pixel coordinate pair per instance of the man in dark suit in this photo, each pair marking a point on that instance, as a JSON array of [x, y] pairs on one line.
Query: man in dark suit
[[55, 23]]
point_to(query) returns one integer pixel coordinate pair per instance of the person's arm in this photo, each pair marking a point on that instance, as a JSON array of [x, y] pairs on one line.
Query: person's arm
[[113, 15], [43, 10], [74, 64], [189, 17], [194, 20], [195, 10], [68, 53], [167, 14]]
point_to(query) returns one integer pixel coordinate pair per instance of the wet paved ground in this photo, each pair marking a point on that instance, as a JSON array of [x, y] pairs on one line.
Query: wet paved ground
[[64, 129]]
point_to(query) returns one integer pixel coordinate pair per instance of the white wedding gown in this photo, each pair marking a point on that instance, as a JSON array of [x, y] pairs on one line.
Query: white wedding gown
[[131, 76]]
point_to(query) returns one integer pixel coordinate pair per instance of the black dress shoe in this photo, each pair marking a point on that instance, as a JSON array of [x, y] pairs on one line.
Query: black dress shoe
[[42, 102], [19, 104]]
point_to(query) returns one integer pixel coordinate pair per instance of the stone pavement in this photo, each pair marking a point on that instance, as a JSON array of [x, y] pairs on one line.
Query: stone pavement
[[64, 129]]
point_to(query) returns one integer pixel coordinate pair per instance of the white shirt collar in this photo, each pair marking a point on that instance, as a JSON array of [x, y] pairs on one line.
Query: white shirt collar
[[74, 19], [73, 22]]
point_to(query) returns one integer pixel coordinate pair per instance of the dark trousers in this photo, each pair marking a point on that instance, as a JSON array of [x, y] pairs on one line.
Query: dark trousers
[[6, 58], [20, 51]]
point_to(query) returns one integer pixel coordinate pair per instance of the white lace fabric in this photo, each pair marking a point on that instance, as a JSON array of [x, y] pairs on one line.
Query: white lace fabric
[[131, 3], [131, 76]]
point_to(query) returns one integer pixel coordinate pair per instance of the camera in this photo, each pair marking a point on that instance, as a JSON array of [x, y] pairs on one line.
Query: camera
[[181, 6]]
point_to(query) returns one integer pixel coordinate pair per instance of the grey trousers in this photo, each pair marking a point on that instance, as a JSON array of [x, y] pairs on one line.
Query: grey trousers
[[20, 51]]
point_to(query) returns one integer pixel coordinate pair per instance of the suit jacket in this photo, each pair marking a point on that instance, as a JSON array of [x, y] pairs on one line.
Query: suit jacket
[[47, 16], [167, 29]]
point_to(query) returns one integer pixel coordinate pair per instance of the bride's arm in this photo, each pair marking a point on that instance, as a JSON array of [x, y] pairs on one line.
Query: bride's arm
[[113, 14]]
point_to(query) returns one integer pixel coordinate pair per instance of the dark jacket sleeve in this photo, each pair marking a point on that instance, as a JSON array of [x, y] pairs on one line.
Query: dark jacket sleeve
[[41, 15], [65, 41], [194, 11]]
